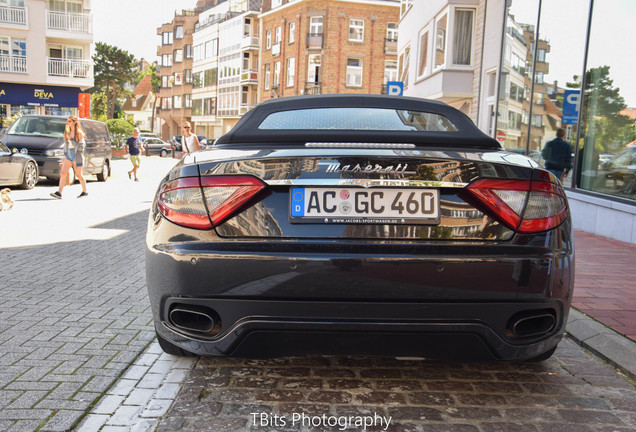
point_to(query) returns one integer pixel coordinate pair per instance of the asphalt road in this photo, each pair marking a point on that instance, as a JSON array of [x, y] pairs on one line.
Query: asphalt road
[[77, 350]]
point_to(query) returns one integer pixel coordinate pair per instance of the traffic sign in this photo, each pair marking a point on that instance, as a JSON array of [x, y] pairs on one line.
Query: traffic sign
[[501, 136], [571, 103], [395, 88]]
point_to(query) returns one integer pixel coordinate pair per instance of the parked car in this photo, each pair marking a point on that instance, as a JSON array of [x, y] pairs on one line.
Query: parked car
[[42, 137], [156, 146], [17, 169], [619, 173], [359, 225], [145, 135]]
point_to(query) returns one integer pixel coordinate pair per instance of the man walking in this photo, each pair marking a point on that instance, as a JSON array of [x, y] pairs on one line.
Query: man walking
[[558, 155], [134, 150]]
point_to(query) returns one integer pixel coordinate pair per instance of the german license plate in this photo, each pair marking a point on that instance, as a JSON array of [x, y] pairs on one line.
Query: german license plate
[[364, 206]]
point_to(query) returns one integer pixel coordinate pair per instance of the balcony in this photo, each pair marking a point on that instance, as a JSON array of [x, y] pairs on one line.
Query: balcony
[[13, 15], [11, 63], [390, 46], [250, 42], [244, 108], [71, 22], [314, 40], [249, 76], [276, 49], [69, 68], [313, 88]]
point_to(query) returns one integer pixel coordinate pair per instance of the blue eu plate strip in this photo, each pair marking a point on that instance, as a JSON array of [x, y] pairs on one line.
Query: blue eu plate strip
[[298, 202]]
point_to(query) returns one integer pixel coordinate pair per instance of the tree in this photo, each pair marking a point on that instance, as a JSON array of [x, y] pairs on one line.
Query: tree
[[113, 69], [602, 104], [155, 83], [119, 130]]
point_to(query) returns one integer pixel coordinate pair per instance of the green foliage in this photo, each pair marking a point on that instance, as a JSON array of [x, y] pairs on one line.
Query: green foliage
[[119, 130], [9, 120], [602, 103], [155, 79], [113, 68], [99, 105]]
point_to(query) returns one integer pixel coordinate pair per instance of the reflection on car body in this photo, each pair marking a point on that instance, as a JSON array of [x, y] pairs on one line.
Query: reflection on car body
[[359, 224]]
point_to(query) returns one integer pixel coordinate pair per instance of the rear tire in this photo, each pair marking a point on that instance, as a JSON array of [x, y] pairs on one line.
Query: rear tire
[[169, 348], [102, 176]]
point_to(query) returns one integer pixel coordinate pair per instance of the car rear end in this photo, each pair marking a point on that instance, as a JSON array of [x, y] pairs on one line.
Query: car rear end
[[446, 248]]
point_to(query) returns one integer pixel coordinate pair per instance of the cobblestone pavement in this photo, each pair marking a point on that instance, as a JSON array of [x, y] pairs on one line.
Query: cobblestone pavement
[[74, 314], [572, 391]]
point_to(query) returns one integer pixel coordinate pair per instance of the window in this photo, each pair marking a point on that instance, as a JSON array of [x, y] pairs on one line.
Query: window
[[247, 27], [390, 71], [197, 80], [178, 33], [422, 55], [13, 54], [188, 100], [266, 77], [356, 30], [166, 60], [188, 51], [246, 61], [291, 37], [463, 37], [276, 82], [209, 77], [178, 78], [278, 35], [391, 32], [197, 107], [167, 38], [440, 42], [164, 81], [276, 3], [268, 39], [403, 65], [176, 103], [313, 68], [187, 76], [198, 52], [354, 72], [537, 120], [315, 25], [178, 55], [541, 55], [291, 71], [211, 48]]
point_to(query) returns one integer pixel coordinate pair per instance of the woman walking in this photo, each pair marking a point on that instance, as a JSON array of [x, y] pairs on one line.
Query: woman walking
[[74, 146], [189, 141]]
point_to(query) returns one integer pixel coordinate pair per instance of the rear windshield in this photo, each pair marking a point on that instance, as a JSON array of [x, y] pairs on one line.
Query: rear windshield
[[50, 127], [372, 119]]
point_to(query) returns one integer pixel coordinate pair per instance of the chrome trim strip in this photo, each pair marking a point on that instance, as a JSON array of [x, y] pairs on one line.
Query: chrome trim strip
[[359, 145], [366, 183]]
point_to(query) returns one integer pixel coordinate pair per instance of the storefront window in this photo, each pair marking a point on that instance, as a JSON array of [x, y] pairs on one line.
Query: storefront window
[[607, 143]]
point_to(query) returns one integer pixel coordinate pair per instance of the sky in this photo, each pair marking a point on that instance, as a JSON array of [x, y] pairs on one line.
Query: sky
[[132, 24]]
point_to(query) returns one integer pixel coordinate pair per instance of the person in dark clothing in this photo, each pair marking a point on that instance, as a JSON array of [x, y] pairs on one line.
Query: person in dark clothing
[[558, 155], [134, 149]]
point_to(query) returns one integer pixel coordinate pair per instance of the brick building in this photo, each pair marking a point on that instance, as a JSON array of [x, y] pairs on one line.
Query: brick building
[[176, 55], [327, 46]]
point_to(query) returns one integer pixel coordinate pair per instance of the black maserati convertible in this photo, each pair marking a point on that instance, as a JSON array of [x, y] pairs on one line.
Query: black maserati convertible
[[359, 225]]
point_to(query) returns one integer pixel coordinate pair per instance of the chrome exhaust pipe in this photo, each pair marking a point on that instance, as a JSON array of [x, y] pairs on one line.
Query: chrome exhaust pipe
[[192, 320], [533, 325]]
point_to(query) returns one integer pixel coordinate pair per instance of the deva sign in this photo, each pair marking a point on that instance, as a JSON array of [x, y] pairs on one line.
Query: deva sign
[[42, 94]]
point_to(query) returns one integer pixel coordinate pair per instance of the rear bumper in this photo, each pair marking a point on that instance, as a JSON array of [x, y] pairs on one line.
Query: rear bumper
[[452, 301], [261, 329]]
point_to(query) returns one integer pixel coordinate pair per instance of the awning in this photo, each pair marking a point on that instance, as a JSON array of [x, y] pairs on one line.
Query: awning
[[37, 95]]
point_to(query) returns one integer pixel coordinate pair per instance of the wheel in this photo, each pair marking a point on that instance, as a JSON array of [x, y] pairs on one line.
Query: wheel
[[164, 153], [541, 357], [169, 348], [102, 176], [30, 178]]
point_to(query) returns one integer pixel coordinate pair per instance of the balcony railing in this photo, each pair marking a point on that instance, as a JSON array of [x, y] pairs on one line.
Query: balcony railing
[[11, 63], [69, 68], [313, 88], [276, 49], [390, 46], [74, 22], [249, 76], [314, 40], [250, 42], [13, 15]]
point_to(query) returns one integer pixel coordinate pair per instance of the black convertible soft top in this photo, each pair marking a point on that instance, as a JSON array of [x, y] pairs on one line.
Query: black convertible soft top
[[249, 131]]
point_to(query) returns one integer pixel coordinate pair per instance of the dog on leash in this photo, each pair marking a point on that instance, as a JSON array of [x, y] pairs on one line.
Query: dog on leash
[[6, 201]]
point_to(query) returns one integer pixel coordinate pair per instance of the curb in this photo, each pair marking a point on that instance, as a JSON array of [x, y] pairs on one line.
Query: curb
[[606, 343]]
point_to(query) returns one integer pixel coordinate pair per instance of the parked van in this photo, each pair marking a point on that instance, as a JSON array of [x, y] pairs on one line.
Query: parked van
[[42, 137]]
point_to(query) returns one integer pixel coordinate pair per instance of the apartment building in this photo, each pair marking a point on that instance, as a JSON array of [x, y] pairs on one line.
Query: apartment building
[[226, 48], [45, 59], [176, 54], [327, 46]]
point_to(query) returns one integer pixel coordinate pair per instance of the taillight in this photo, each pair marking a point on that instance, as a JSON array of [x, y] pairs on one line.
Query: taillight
[[522, 205], [209, 201]]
